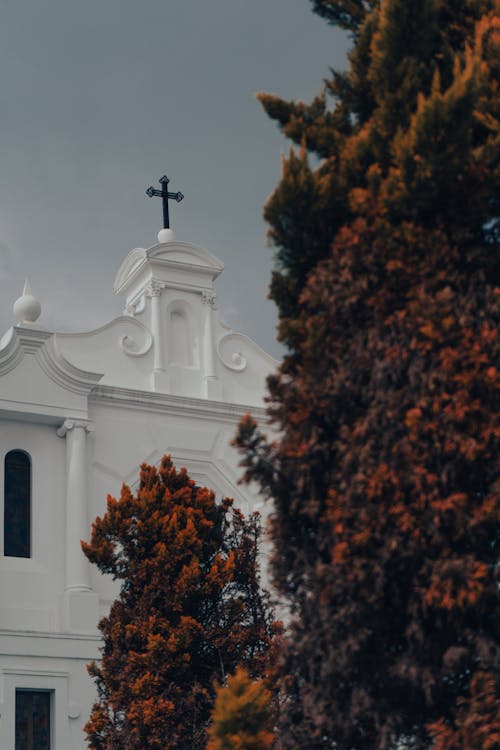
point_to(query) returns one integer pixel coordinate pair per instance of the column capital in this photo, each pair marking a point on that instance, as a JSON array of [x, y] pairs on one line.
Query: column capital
[[71, 424], [154, 288], [209, 298]]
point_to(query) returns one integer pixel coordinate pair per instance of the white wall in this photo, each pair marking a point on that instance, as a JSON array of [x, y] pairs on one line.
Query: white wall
[[30, 589]]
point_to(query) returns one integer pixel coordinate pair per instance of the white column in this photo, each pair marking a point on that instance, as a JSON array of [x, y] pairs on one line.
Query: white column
[[157, 329], [212, 386], [160, 375], [77, 522], [208, 302]]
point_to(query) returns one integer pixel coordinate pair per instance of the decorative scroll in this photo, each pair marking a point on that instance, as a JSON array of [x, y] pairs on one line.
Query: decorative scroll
[[229, 354], [133, 347], [137, 307]]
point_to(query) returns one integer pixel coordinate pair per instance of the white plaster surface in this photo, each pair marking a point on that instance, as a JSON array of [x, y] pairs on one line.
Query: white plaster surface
[[167, 376]]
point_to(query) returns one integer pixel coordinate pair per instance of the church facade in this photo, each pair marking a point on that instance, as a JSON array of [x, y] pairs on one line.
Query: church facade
[[79, 413]]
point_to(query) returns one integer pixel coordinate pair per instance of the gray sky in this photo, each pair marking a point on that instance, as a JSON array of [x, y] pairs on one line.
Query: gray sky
[[100, 98]]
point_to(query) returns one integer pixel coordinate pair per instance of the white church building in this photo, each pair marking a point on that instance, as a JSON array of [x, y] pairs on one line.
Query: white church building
[[79, 413]]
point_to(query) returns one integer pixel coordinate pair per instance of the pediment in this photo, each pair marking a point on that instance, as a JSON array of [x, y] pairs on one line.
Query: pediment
[[186, 254], [132, 263], [164, 259]]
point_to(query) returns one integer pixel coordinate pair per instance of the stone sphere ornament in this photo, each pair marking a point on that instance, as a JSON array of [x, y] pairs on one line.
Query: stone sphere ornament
[[166, 235], [27, 308]]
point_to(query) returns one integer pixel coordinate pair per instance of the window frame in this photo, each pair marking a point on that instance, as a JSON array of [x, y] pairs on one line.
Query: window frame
[[54, 681], [29, 503]]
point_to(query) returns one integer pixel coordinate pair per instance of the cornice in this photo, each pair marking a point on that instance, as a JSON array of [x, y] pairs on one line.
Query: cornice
[[55, 636], [148, 401], [55, 645], [185, 265], [179, 286], [17, 342], [197, 257], [192, 258]]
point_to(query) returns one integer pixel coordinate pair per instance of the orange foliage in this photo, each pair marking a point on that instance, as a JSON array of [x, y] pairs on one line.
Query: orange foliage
[[477, 726], [241, 718], [190, 609]]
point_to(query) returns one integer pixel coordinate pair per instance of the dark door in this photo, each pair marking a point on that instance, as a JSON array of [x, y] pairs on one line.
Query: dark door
[[33, 720]]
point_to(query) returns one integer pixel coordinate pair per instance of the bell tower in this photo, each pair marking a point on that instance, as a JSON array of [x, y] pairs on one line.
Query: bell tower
[[170, 289]]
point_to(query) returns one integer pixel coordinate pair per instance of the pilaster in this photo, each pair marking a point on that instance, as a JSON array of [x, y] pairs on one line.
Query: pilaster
[[212, 386], [161, 380], [80, 603]]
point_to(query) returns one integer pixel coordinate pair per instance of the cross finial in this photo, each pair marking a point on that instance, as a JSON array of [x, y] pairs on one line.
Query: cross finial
[[165, 195]]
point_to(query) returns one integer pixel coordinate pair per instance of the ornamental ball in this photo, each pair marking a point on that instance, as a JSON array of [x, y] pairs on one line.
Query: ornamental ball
[[166, 235], [27, 309]]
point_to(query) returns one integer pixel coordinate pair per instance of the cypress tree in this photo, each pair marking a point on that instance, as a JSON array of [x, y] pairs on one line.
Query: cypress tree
[[385, 477]]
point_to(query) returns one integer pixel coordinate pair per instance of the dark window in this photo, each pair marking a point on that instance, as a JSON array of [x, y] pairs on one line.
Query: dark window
[[32, 720], [17, 505]]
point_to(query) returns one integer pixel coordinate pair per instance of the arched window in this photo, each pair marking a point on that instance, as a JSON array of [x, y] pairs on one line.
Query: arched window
[[17, 505]]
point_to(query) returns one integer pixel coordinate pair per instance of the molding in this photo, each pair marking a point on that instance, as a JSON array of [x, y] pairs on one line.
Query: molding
[[132, 263], [17, 342], [149, 401], [34, 672], [51, 636], [62, 372], [136, 303], [24, 644], [192, 258], [127, 342], [136, 307], [31, 339]]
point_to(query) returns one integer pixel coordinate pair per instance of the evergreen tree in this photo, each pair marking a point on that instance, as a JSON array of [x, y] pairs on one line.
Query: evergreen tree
[[189, 611], [241, 718], [385, 479]]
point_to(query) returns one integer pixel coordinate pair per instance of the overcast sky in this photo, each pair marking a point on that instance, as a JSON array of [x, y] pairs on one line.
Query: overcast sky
[[100, 98]]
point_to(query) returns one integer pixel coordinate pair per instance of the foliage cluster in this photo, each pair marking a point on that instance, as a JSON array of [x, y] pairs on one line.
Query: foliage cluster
[[190, 610], [386, 478], [241, 718]]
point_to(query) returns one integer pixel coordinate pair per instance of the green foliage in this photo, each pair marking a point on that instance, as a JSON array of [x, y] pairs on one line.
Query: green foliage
[[190, 610], [241, 719], [348, 14], [385, 475]]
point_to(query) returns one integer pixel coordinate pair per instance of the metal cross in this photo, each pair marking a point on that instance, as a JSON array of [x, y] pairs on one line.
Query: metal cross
[[164, 195]]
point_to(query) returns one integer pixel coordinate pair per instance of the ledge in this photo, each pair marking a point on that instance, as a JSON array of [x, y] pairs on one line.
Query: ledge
[[150, 401], [31, 644]]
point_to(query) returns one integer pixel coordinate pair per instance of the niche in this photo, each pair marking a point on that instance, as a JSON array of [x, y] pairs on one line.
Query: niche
[[182, 341]]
